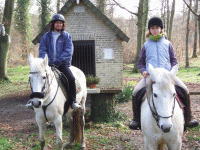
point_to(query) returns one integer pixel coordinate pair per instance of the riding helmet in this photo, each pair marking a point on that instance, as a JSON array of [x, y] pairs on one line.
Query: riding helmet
[[155, 21], [58, 17]]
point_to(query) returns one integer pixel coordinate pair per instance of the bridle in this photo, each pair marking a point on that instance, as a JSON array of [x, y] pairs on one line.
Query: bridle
[[154, 110], [42, 94]]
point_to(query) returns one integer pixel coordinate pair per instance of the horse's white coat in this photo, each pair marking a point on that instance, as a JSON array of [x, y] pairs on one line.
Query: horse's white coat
[[163, 95], [44, 75]]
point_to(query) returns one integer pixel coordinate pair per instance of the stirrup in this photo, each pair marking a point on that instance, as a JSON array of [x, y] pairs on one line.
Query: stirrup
[[29, 104], [76, 106]]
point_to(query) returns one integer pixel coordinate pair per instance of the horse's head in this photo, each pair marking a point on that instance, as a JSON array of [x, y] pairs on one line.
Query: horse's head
[[38, 79], [162, 96]]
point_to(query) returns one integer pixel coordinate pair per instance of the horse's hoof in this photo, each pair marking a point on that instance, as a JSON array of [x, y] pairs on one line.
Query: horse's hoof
[[68, 146]]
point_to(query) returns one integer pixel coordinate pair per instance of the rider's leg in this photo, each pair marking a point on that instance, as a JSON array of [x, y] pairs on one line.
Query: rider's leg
[[136, 102], [189, 121], [72, 86]]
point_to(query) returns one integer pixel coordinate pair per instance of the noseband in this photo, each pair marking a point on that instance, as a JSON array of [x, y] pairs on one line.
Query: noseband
[[154, 110]]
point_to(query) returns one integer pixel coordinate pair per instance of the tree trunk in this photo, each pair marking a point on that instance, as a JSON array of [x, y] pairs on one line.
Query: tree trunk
[[4, 40], [194, 55], [58, 5], [171, 20], [102, 5], [187, 38], [146, 8], [139, 35]]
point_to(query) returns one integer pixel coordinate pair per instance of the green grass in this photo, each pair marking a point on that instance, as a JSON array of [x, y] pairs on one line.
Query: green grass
[[19, 81]]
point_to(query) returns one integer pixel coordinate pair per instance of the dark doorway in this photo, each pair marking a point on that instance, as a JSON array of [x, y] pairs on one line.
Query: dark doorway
[[84, 56]]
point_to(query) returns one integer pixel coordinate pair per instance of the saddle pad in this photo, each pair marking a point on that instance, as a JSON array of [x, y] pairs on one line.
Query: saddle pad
[[60, 77]]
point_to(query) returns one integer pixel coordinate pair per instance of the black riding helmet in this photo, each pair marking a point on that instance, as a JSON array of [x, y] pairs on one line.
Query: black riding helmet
[[58, 17], [155, 21]]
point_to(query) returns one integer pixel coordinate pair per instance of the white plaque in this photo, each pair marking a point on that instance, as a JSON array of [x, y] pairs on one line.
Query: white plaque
[[79, 8], [108, 53]]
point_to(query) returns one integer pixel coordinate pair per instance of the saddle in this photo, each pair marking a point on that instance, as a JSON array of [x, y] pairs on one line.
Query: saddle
[[63, 81]]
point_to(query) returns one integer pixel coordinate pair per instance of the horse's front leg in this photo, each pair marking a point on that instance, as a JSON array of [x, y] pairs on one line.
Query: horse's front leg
[[42, 131], [58, 126]]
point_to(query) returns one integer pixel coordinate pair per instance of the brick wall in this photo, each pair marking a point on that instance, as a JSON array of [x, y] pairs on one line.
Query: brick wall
[[82, 24]]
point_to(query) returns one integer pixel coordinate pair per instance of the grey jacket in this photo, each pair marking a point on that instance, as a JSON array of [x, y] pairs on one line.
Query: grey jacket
[[159, 54]]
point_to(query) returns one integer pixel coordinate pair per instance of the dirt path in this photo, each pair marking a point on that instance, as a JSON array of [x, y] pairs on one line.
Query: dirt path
[[15, 118]]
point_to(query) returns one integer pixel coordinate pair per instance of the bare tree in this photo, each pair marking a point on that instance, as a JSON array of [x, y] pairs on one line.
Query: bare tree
[[194, 55], [198, 18], [139, 15], [187, 37], [4, 39], [171, 20]]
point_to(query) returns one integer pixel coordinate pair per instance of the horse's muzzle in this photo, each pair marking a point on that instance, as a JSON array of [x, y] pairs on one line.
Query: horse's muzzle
[[165, 129], [37, 95], [36, 103]]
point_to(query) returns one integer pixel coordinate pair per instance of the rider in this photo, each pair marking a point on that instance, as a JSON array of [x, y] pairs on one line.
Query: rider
[[159, 52], [57, 44]]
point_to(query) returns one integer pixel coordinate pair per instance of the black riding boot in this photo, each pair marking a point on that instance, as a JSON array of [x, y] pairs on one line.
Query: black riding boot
[[189, 122], [136, 115]]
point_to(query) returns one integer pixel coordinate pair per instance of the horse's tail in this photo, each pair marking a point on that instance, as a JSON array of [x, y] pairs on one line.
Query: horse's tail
[[76, 127]]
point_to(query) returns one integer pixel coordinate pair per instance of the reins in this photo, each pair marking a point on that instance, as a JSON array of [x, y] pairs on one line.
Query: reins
[[153, 110]]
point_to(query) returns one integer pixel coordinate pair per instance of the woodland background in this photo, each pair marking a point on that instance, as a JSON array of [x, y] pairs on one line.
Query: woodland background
[[26, 23]]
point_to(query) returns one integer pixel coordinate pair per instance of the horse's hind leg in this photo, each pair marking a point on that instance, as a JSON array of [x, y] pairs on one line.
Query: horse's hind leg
[[82, 122], [68, 145], [58, 126]]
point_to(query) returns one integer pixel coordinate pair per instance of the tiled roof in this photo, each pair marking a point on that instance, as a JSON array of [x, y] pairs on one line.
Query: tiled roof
[[96, 11]]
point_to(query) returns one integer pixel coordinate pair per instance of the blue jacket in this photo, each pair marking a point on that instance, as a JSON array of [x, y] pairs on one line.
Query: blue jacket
[[159, 54], [64, 48]]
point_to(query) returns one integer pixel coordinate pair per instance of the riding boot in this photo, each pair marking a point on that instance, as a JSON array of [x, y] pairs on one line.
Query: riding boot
[[136, 114], [189, 122]]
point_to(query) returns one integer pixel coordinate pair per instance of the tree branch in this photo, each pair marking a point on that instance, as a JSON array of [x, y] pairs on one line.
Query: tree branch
[[191, 9], [122, 7]]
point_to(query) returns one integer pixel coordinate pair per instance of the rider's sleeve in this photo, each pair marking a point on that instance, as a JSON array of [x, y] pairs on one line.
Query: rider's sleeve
[[43, 47], [142, 60], [172, 54]]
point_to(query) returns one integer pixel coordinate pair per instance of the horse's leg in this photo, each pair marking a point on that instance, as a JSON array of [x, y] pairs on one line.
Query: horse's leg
[[42, 130], [82, 128], [149, 145], [68, 145], [58, 126], [175, 145]]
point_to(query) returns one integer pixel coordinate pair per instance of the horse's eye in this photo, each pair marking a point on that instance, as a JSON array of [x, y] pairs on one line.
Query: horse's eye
[[44, 77], [155, 95]]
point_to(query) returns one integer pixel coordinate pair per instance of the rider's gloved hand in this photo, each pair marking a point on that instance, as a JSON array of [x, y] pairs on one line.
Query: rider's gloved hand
[[57, 64]]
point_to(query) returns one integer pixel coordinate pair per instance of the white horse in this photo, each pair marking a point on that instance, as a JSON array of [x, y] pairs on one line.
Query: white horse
[[162, 120], [48, 101]]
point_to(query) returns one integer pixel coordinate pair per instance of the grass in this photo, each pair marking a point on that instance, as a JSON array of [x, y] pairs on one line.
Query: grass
[[19, 81]]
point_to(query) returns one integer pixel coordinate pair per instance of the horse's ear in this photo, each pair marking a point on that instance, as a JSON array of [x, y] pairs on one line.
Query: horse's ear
[[46, 60], [152, 72], [174, 70], [31, 57]]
